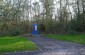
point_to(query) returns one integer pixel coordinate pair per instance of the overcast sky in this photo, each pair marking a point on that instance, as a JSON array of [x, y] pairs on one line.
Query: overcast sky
[[35, 0]]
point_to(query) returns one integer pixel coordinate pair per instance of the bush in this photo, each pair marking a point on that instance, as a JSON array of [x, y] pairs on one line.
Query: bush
[[15, 33]]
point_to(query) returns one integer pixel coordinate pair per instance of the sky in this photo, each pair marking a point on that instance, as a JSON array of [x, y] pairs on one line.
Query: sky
[[31, 0], [35, 0]]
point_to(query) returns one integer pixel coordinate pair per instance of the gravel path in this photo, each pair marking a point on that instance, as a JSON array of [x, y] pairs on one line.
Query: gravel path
[[53, 47]]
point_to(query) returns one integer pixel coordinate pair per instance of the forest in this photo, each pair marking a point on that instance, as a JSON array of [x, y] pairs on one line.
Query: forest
[[52, 16]]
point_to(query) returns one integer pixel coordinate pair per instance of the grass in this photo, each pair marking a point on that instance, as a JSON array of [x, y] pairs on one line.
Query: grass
[[77, 38], [16, 43]]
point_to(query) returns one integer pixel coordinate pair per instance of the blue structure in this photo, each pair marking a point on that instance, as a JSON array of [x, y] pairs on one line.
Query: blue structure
[[35, 29]]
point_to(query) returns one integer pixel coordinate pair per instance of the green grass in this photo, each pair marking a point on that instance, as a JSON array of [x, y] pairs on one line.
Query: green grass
[[16, 43], [77, 38]]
